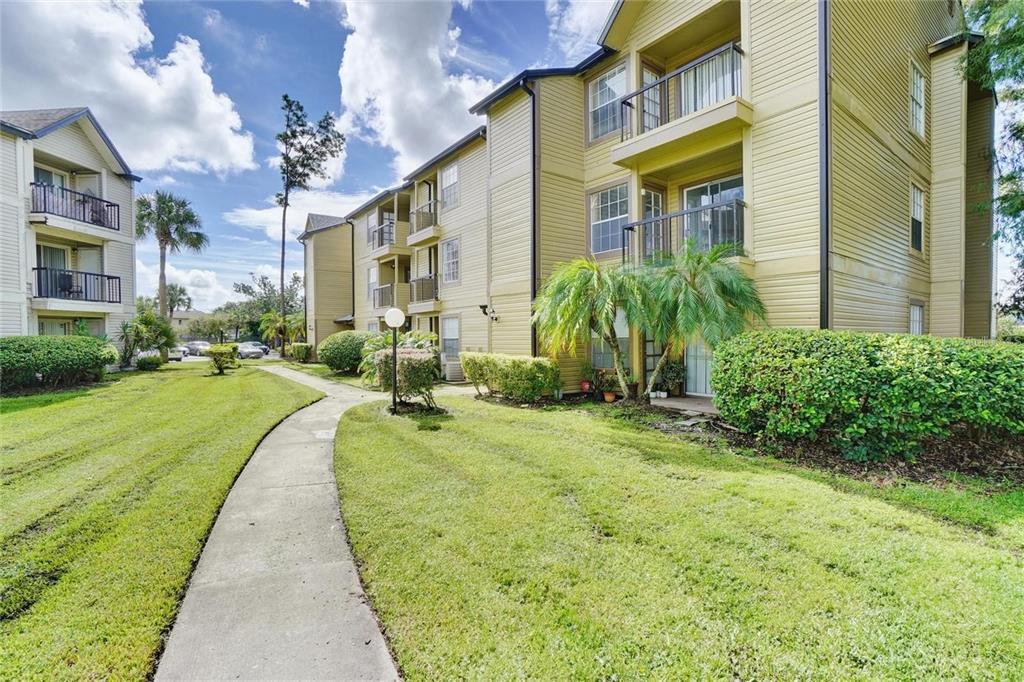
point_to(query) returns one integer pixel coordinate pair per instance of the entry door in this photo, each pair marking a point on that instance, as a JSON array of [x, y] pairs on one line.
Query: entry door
[[652, 353], [698, 369], [655, 234]]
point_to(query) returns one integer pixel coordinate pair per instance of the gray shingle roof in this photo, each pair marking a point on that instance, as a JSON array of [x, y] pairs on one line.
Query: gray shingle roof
[[319, 221], [34, 120]]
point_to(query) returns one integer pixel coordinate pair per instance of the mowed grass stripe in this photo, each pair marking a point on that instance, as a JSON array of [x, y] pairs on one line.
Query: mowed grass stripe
[[520, 543], [100, 581]]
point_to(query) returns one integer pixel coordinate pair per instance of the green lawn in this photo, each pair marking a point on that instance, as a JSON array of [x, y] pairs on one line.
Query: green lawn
[[318, 370], [559, 544], [106, 497]]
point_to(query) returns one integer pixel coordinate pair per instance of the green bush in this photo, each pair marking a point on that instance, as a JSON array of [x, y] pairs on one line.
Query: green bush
[[415, 340], [223, 356], [301, 352], [148, 363], [517, 377], [1012, 338], [343, 351], [52, 361], [417, 371], [871, 395]]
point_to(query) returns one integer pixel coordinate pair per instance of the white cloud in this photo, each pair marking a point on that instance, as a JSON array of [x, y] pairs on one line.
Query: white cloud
[[268, 217], [203, 286], [396, 87], [165, 181], [574, 27], [302, 3], [160, 112]]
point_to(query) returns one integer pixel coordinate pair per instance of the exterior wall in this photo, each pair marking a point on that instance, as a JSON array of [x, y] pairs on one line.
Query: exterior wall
[[13, 228], [875, 158], [979, 270], [328, 261]]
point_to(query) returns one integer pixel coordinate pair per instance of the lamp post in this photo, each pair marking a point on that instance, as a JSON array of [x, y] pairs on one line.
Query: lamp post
[[394, 318]]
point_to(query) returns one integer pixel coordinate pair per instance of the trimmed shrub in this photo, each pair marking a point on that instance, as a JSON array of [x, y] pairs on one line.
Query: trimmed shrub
[[301, 352], [1012, 338], [417, 371], [223, 356], [415, 339], [343, 351], [52, 361], [522, 378], [871, 395], [148, 363]]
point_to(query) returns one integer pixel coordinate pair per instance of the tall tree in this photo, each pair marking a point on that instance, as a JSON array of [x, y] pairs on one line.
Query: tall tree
[[698, 295], [305, 149], [177, 299], [997, 64]]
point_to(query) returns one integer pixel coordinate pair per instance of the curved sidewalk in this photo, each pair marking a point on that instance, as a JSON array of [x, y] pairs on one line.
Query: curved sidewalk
[[276, 594]]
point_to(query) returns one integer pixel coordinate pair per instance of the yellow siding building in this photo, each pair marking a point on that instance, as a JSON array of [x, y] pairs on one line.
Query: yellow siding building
[[845, 158]]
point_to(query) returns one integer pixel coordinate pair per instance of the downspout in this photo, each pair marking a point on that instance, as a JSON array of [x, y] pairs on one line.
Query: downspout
[[352, 254], [824, 160], [534, 189]]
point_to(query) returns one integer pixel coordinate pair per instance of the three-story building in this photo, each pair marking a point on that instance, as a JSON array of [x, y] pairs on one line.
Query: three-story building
[[68, 230]]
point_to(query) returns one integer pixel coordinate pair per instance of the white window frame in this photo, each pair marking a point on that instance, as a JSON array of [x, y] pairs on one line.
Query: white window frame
[[918, 97], [915, 323], [594, 104], [373, 326], [55, 171], [451, 272], [594, 206], [372, 276], [917, 211], [449, 185], [458, 335]]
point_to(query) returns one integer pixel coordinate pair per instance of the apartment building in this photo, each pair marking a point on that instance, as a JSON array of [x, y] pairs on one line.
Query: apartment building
[[67, 210], [847, 160], [327, 260]]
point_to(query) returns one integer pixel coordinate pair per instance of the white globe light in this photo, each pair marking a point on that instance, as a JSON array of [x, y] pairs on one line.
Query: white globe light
[[394, 318]]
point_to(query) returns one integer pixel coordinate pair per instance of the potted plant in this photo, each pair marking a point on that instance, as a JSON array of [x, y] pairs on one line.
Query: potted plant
[[587, 377], [605, 385], [673, 375], [633, 383]]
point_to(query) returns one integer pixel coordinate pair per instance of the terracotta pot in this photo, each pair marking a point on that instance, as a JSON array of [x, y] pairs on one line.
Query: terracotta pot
[[609, 396]]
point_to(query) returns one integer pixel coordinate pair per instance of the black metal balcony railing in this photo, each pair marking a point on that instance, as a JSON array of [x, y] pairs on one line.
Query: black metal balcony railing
[[704, 82], [74, 285], [75, 205], [384, 297], [424, 216], [382, 235], [424, 289], [706, 226]]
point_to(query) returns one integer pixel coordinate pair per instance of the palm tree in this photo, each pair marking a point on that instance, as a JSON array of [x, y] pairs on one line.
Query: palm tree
[[273, 326], [174, 225], [177, 299], [295, 326], [583, 297], [696, 295]]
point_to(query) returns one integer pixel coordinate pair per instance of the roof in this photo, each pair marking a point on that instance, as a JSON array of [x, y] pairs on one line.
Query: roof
[[385, 193], [31, 124], [530, 74], [969, 37], [612, 15], [479, 133], [318, 222]]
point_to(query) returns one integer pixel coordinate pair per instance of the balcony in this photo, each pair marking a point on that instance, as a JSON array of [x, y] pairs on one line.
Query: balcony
[[424, 296], [689, 112], [66, 203], [424, 227], [389, 240], [656, 238], [73, 290], [390, 296]]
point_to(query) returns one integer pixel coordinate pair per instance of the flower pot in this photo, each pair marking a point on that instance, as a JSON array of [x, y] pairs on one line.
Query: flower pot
[[609, 396], [586, 386]]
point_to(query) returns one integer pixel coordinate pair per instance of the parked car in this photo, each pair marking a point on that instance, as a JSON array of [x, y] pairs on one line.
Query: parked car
[[173, 354], [198, 347], [183, 350], [249, 349]]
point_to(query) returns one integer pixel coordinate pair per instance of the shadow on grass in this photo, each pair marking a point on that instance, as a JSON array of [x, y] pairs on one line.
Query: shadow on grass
[[426, 418], [10, 404]]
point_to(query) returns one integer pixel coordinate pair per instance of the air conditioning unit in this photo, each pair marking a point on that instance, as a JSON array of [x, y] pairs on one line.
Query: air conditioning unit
[[453, 371]]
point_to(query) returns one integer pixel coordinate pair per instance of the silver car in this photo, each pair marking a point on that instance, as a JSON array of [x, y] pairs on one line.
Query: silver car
[[198, 347], [248, 350]]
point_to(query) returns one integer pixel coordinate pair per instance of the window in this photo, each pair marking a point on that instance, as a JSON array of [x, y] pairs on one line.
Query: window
[[917, 100], [916, 218], [450, 338], [371, 282], [450, 261], [601, 352], [45, 176], [450, 186], [655, 234], [603, 97], [371, 226], [916, 318], [609, 212], [51, 327], [651, 102], [373, 326]]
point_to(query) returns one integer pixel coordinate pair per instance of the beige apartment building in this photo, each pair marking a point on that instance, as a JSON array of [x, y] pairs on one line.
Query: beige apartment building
[[847, 158], [67, 218]]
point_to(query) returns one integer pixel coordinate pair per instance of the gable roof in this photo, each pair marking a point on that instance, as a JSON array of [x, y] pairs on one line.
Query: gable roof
[[620, 20], [32, 124], [513, 83], [479, 133], [318, 222]]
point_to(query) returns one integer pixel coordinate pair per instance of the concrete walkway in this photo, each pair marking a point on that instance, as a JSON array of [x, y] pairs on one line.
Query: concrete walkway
[[276, 594]]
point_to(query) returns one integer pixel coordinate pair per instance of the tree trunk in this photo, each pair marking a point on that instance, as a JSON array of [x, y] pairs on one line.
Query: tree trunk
[[620, 369], [656, 373], [162, 291], [284, 215]]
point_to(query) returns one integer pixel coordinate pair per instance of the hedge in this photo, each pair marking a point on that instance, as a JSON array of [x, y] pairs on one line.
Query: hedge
[[223, 356], [417, 371], [148, 363], [301, 352], [342, 351], [871, 395], [522, 378], [53, 361], [1012, 338]]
